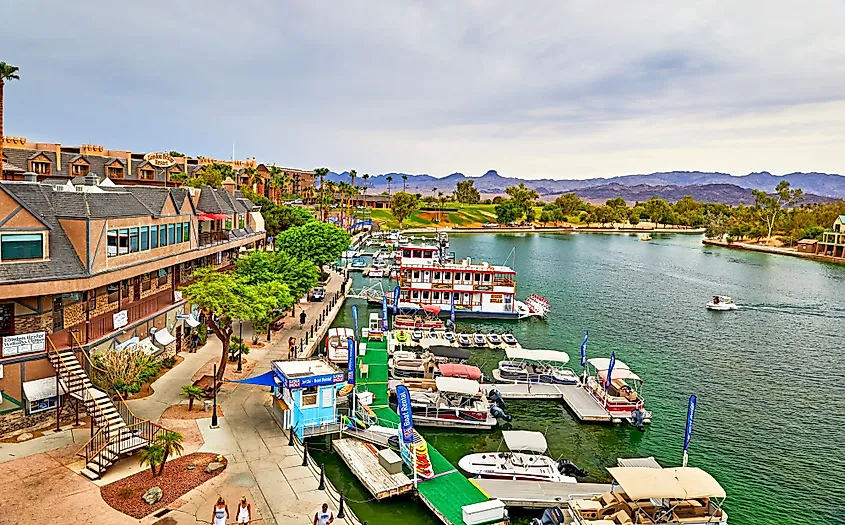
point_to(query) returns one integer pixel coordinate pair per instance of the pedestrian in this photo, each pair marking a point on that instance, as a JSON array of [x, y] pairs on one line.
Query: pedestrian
[[195, 341], [244, 511], [324, 516], [220, 513], [302, 318], [291, 348]]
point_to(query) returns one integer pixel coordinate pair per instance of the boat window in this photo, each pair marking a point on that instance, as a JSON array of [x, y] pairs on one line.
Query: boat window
[[416, 274], [478, 277], [417, 254], [467, 277], [467, 299], [416, 294], [406, 253], [425, 296], [436, 296], [486, 277], [428, 254], [437, 275], [447, 276]]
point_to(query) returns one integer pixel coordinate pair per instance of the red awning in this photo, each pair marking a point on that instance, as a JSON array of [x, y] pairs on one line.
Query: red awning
[[213, 217], [432, 309], [462, 371], [206, 217], [221, 216]]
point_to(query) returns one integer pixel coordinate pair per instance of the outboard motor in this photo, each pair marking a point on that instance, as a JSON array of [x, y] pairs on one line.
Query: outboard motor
[[637, 418], [498, 413], [494, 396], [568, 468], [551, 516]]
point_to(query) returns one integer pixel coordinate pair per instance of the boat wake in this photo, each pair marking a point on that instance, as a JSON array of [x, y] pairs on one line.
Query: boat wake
[[811, 310]]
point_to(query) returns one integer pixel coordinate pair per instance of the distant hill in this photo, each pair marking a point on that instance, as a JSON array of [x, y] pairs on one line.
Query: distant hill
[[724, 193], [491, 183]]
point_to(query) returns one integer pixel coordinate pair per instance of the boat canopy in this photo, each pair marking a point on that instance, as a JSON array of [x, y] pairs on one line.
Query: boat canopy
[[517, 440], [457, 385], [458, 370], [602, 363], [619, 374], [449, 352], [431, 308], [641, 483], [545, 356]]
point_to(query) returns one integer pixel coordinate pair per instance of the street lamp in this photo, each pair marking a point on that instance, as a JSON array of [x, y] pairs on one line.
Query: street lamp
[[241, 347], [214, 406]]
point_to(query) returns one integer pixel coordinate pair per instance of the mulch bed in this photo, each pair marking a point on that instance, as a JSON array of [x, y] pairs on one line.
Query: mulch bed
[[181, 412], [125, 494]]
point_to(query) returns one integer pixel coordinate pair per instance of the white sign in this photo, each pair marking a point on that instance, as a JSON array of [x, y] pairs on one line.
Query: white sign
[[159, 159], [120, 319], [24, 343], [177, 296]]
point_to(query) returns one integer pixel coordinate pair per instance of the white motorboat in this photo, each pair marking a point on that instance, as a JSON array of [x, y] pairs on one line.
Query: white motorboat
[[479, 340], [508, 338], [721, 303], [449, 336], [535, 366], [464, 340], [494, 338], [674, 496], [376, 273], [456, 403], [416, 335], [525, 460], [337, 345]]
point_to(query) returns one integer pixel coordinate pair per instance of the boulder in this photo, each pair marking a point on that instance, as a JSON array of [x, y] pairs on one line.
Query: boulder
[[152, 496], [213, 467], [24, 436]]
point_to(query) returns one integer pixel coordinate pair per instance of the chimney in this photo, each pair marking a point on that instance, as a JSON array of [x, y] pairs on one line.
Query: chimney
[[229, 185], [30, 177], [91, 180]]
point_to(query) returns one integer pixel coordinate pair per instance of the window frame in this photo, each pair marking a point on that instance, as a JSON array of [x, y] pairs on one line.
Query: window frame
[[162, 236], [171, 234], [41, 242], [115, 172], [134, 235], [123, 234], [7, 321], [145, 238], [109, 235], [186, 232], [178, 236], [153, 237]]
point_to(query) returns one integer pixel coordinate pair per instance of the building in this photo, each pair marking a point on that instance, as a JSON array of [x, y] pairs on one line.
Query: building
[[98, 265], [305, 394], [833, 240]]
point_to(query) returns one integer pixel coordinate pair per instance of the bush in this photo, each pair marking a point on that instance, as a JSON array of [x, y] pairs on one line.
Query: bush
[[202, 332], [169, 362], [237, 345]]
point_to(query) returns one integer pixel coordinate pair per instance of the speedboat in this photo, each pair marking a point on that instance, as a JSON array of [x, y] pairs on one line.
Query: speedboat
[[376, 273], [721, 303], [416, 335], [645, 237], [535, 366], [509, 338], [524, 460], [455, 403], [359, 262], [494, 338], [673, 496], [622, 397], [479, 340], [432, 333], [464, 340], [337, 345], [449, 336]]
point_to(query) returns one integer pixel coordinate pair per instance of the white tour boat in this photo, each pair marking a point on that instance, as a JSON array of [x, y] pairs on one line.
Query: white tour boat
[[534, 366], [672, 496], [337, 345], [525, 460], [721, 303], [623, 398]]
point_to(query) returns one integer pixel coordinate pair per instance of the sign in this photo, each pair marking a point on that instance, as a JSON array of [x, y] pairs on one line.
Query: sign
[[396, 292], [24, 343], [355, 319], [406, 421], [120, 319], [305, 382], [384, 313], [690, 418], [160, 159], [350, 344], [177, 296]]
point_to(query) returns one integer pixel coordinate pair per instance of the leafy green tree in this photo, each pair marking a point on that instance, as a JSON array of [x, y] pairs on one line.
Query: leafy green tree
[[403, 205], [193, 393], [212, 175], [771, 206], [508, 211], [152, 455], [546, 217], [656, 209], [604, 214], [569, 203], [299, 275], [174, 153], [616, 202], [497, 199], [524, 198], [318, 242], [170, 443], [634, 215], [467, 193]]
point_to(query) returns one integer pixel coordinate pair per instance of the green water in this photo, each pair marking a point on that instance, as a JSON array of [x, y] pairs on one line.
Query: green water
[[770, 411]]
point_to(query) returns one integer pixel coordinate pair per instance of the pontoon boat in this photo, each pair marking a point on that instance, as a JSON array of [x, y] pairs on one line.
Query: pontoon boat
[[623, 398], [455, 403], [337, 345], [721, 303], [535, 366]]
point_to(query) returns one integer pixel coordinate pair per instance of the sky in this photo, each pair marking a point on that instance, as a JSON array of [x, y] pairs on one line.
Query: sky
[[557, 89]]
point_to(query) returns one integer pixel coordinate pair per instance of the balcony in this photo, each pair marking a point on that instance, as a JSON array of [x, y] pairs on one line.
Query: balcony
[[215, 237]]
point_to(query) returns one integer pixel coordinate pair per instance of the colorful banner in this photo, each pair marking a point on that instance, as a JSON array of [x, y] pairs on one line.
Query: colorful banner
[[406, 420], [396, 292], [384, 313], [355, 320], [351, 361], [690, 418], [610, 370], [583, 348], [452, 312]]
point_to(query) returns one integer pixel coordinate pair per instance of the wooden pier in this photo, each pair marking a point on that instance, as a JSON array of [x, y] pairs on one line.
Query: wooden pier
[[533, 494], [579, 401], [362, 460]]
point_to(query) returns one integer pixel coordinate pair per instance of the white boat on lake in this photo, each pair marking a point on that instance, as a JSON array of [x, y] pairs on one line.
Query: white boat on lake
[[721, 303], [337, 345], [524, 460], [534, 366]]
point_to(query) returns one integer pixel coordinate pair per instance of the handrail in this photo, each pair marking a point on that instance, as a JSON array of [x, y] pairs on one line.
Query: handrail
[[87, 394]]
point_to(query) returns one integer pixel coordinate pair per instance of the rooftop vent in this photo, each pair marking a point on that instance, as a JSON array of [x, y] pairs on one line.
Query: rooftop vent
[[30, 177]]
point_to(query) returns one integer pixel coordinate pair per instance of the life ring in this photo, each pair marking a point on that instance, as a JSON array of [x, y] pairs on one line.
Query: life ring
[[345, 391], [401, 336]]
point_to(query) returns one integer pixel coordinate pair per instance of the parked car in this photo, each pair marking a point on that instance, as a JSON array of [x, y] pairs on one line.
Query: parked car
[[318, 293], [490, 225]]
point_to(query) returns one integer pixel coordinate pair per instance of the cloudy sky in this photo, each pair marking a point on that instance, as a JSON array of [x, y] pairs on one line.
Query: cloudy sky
[[561, 89]]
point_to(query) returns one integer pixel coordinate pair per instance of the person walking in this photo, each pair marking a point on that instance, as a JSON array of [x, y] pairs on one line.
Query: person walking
[[195, 341], [291, 348], [220, 513], [302, 318], [324, 516], [244, 511]]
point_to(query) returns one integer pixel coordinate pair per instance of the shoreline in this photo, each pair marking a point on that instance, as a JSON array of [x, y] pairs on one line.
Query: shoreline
[[773, 250], [558, 229]]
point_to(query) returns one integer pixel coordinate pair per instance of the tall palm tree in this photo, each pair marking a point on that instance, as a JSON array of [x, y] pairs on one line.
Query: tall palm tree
[[389, 180], [171, 443], [193, 393], [322, 172], [442, 200], [276, 181], [404, 181], [7, 72], [352, 175], [366, 183]]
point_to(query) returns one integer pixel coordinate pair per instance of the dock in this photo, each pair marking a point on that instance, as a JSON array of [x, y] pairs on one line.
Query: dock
[[532, 494], [579, 401], [362, 460]]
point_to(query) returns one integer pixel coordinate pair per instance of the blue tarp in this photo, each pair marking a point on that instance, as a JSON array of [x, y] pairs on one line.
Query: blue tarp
[[265, 379]]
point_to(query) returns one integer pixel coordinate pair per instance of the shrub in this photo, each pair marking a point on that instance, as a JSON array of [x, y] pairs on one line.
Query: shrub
[[237, 345], [202, 332], [126, 493], [169, 362]]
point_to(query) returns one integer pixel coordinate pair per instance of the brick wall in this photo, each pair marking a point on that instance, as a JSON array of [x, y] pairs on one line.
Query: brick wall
[[34, 323], [103, 306], [74, 314], [18, 421]]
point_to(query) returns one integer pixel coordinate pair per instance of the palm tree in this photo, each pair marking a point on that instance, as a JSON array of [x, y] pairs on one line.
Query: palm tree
[[152, 455], [442, 200], [352, 175], [277, 177], [255, 178], [404, 180], [7, 72], [366, 184], [322, 172], [389, 180], [192, 393], [171, 443]]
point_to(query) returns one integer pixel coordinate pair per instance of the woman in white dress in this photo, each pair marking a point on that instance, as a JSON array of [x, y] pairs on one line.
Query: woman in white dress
[[221, 512], [244, 511]]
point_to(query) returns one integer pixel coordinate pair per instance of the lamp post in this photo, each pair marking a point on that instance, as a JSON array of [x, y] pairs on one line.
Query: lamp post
[[214, 405], [241, 347]]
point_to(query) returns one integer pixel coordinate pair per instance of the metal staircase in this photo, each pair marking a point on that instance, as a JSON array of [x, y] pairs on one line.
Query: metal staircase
[[118, 430]]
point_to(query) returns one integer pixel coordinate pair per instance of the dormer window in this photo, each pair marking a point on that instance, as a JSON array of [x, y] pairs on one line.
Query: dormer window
[[147, 174], [40, 167], [115, 172], [21, 246], [79, 170]]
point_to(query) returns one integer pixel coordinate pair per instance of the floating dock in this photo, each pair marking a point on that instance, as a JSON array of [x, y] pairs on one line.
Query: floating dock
[[532, 494], [362, 460], [439, 340], [579, 401]]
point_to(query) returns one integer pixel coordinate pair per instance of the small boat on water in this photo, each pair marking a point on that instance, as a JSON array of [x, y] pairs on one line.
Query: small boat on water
[[673, 496], [508, 338], [645, 237], [622, 397], [408, 364], [402, 336], [534, 306], [359, 262], [455, 403], [464, 340], [535, 366], [424, 322], [524, 460], [337, 345], [494, 338], [479, 340], [376, 273], [721, 303]]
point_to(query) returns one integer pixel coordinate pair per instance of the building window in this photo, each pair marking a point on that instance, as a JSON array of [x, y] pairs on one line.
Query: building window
[[7, 319], [178, 232], [228, 225], [186, 232], [147, 175], [145, 238], [115, 173], [21, 246], [162, 276], [146, 283], [111, 243], [123, 241], [113, 291], [41, 168], [447, 276], [133, 240], [241, 223], [171, 234], [309, 396], [153, 236], [92, 300], [162, 236], [79, 170]]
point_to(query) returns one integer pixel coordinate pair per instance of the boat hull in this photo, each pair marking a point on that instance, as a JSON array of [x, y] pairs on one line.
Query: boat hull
[[721, 307], [494, 465], [533, 378]]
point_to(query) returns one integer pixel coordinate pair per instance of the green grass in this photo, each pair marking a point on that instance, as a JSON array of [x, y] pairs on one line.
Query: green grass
[[468, 215]]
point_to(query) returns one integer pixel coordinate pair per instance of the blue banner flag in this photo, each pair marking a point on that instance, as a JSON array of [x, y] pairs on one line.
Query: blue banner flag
[[583, 348], [406, 421], [384, 313], [350, 373], [610, 370], [690, 418], [396, 292], [452, 312], [355, 319]]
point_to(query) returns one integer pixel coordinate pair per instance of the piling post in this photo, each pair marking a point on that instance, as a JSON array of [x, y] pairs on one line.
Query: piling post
[[290, 437], [340, 513], [304, 453], [322, 485]]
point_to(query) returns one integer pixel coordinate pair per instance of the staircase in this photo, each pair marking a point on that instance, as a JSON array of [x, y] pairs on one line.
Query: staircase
[[118, 432]]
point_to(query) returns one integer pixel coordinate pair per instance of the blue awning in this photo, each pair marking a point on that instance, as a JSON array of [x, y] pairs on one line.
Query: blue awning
[[265, 379]]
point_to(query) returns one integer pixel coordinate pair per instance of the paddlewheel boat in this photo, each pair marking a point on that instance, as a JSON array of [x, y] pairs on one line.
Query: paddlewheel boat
[[455, 403], [524, 460], [534, 306], [623, 397], [337, 345], [534, 366]]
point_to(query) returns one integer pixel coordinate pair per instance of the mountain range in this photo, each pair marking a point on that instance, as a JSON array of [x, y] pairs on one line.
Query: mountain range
[[709, 186]]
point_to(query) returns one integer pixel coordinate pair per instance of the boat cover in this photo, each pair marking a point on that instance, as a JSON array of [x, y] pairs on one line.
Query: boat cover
[[432, 309], [456, 370], [525, 440], [449, 352], [619, 374], [641, 483], [539, 356], [602, 363], [457, 385]]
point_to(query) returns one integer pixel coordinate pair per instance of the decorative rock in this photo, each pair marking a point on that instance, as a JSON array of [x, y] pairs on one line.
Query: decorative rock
[[152, 496], [24, 436], [214, 466]]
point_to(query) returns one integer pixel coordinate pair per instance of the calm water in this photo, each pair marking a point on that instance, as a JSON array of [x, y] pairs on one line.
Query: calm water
[[769, 423]]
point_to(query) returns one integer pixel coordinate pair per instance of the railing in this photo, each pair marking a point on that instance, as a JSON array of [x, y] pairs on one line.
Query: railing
[[84, 392], [214, 237]]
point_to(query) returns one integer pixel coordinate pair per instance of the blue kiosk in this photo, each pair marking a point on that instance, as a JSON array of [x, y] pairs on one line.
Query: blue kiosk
[[305, 396]]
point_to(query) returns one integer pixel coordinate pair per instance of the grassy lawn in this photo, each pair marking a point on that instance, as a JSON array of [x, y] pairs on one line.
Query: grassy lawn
[[467, 215]]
